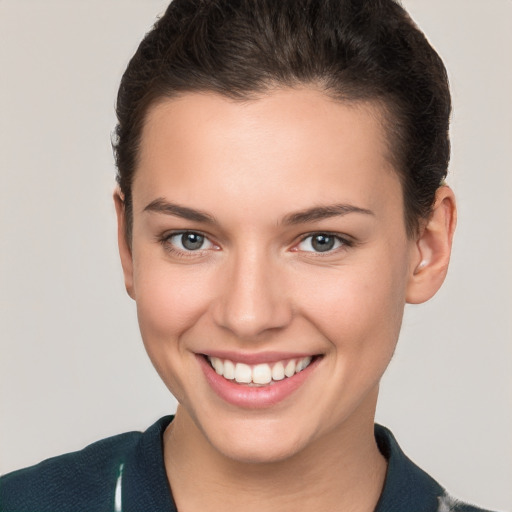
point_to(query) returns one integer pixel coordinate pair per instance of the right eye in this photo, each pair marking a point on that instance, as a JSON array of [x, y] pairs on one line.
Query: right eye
[[189, 241]]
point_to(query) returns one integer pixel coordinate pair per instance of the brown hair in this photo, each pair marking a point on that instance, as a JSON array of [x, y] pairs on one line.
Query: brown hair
[[367, 50]]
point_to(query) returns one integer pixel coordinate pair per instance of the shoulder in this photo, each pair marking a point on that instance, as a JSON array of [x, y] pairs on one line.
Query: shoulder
[[75, 481], [449, 504], [407, 487], [80, 481]]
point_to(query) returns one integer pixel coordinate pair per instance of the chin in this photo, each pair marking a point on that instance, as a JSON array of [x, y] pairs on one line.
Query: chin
[[259, 451], [258, 442]]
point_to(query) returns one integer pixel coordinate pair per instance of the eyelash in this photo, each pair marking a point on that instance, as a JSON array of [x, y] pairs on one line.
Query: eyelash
[[344, 243], [165, 241]]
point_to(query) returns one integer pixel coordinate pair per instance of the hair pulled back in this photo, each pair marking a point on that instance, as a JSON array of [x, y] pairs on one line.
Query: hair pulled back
[[355, 50]]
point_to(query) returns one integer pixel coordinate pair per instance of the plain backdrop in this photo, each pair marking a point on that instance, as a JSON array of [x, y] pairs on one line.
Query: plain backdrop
[[72, 366]]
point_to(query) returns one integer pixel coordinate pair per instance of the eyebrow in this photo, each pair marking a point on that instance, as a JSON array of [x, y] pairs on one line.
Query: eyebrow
[[316, 213], [323, 212], [160, 205]]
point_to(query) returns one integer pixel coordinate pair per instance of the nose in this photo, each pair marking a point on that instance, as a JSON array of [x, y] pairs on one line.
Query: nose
[[253, 298]]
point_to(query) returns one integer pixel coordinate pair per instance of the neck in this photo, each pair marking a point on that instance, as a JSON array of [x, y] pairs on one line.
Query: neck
[[343, 470]]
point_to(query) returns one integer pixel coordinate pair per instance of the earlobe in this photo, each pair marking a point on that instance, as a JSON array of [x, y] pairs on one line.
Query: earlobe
[[124, 245], [431, 254]]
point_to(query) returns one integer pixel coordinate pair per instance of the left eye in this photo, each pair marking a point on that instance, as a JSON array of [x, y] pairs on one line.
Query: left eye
[[190, 241], [320, 242]]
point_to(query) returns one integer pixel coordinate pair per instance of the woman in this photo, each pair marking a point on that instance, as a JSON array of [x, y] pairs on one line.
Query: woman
[[280, 199]]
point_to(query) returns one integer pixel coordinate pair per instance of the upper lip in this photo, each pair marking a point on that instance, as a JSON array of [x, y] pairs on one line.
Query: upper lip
[[256, 357]]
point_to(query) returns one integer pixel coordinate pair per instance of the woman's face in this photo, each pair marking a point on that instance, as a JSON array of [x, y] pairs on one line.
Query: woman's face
[[269, 234]]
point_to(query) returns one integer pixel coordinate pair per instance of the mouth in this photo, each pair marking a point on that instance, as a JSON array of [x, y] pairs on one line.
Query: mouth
[[258, 381], [262, 374]]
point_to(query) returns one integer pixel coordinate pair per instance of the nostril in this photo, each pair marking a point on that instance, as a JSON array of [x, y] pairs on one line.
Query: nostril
[[250, 298], [253, 318]]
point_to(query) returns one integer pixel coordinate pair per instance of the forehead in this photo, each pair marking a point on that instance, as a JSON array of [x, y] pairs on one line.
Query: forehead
[[291, 144]]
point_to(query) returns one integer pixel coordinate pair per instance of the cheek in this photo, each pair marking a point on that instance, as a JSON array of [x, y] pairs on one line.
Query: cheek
[[169, 304], [359, 308], [169, 298], [170, 301]]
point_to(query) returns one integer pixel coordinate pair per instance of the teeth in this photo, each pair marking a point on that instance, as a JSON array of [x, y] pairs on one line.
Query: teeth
[[261, 374], [229, 370], [278, 371], [258, 374], [218, 365], [243, 373], [290, 368], [303, 363]]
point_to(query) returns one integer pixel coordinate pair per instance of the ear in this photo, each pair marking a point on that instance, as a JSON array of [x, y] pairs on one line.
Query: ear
[[124, 246], [432, 249]]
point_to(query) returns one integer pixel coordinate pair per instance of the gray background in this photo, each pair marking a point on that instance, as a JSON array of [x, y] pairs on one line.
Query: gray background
[[72, 367]]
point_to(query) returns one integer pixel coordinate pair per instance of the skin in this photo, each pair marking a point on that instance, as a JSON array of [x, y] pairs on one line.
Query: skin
[[258, 286]]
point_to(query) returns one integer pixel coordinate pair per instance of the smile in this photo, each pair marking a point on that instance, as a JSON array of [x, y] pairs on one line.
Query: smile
[[256, 381], [258, 374]]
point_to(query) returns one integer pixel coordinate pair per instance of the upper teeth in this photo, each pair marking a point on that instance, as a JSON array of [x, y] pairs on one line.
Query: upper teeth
[[260, 373]]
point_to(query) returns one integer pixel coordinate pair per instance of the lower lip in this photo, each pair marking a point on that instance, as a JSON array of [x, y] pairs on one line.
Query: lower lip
[[254, 397]]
